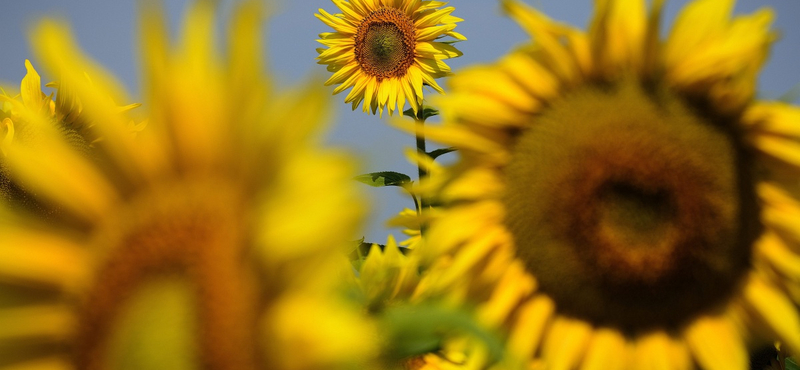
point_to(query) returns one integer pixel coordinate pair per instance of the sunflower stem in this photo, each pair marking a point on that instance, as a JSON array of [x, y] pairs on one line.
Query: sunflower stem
[[414, 198], [420, 135]]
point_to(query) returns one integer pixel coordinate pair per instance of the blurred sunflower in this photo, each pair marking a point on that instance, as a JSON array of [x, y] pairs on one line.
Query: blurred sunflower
[[387, 49], [425, 331], [197, 243], [64, 115], [649, 198]]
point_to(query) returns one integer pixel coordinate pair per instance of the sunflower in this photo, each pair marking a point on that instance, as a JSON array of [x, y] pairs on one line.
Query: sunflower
[[199, 242], [650, 200], [64, 115], [413, 319], [387, 49]]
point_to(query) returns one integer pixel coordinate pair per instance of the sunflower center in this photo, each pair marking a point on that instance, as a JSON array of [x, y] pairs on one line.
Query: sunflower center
[[180, 245], [641, 215], [631, 209], [385, 43]]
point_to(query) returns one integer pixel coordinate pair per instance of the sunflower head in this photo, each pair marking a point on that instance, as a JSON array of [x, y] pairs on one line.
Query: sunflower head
[[386, 50], [635, 179], [197, 242]]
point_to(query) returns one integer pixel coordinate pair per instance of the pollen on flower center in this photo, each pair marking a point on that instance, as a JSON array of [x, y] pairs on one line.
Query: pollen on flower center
[[630, 209], [385, 43], [178, 233]]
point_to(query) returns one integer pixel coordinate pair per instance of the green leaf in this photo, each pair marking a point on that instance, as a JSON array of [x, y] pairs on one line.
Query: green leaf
[[791, 364], [438, 152], [384, 178], [426, 113], [420, 329]]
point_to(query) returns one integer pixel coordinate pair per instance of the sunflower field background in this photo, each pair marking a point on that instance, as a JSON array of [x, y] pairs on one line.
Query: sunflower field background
[[244, 153]]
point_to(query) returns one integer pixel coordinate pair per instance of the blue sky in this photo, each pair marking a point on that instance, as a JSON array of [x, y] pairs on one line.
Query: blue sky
[[106, 30]]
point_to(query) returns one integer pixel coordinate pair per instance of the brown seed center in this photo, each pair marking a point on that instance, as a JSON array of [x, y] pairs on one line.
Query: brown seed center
[[385, 43], [188, 232], [630, 209]]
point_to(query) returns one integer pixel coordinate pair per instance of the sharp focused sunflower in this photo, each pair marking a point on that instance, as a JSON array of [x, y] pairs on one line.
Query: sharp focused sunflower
[[387, 49], [648, 195], [197, 243]]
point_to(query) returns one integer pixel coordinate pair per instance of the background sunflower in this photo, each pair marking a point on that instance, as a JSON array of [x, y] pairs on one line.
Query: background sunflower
[[386, 49]]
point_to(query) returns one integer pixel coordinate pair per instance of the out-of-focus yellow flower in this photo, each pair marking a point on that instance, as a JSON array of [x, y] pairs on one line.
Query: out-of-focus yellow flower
[[62, 113], [387, 49], [387, 276], [207, 240], [623, 201], [412, 223]]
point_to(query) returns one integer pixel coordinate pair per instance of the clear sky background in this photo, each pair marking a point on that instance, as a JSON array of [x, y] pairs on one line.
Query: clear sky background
[[107, 31]]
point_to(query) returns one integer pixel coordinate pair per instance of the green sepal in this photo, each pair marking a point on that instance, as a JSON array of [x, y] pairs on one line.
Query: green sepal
[[384, 178], [426, 113]]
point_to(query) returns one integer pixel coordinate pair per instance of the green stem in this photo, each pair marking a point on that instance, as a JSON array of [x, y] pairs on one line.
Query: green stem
[[420, 135], [414, 198]]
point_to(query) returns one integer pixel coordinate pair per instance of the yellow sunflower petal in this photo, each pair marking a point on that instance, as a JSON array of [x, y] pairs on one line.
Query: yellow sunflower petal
[[431, 33], [782, 149], [698, 21], [776, 312], [36, 322], [775, 250], [349, 10], [774, 118], [782, 212], [434, 49], [433, 18], [342, 74], [43, 259], [496, 85], [608, 349], [566, 342], [370, 92], [546, 33], [474, 184], [56, 173], [509, 291], [529, 329], [52, 363], [61, 54], [659, 351], [716, 344], [471, 253], [335, 22], [619, 32], [528, 73], [31, 89]]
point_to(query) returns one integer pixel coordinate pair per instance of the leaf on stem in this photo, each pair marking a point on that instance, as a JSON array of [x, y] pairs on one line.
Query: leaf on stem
[[438, 152], [384, 178], [426, 113]]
